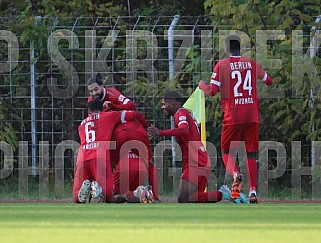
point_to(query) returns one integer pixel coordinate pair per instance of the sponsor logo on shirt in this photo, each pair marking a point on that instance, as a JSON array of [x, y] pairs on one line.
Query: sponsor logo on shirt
[[121, 98]]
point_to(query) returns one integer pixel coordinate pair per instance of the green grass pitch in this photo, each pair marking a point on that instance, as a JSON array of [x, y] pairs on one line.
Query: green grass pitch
[[165, 222]]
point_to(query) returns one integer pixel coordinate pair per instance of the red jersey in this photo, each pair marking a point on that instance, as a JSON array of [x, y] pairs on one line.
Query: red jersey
[[119, 101], [236, 77], [193, 151], [95, 131]]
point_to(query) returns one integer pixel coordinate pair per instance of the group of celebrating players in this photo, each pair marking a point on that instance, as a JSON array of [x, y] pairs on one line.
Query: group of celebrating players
[[115, 154]]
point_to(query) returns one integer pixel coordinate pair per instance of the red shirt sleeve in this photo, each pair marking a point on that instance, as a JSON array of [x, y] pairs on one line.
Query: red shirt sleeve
[[132, 115], [216, 79], [215, 83], [177, 132], [118, 100], [181, 124], [263, 75]]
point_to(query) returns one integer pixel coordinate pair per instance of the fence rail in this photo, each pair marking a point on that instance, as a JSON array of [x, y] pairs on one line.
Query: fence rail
[[119, 49]]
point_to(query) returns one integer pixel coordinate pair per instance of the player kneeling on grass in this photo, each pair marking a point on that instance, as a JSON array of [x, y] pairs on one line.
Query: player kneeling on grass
[[93, 174], [196, 161], [129, 176], [133, 153], [113, 100]]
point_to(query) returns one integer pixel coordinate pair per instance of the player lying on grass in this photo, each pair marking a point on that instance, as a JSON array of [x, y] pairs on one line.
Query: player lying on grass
[[93, 174], [196, 161], [113, 100]]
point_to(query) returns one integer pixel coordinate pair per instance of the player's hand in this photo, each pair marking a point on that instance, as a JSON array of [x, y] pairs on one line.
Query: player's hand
[[201, 84], [152, 132], [207, 88], [106, 106]]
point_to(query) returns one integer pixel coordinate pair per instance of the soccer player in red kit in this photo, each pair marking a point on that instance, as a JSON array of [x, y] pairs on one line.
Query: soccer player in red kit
[[235, 77], [93, 167], [196, 161], [133, 147], [130, 174], [113, 100]]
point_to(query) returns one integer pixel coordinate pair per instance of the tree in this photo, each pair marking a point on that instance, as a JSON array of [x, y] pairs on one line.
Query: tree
[[288, 117]]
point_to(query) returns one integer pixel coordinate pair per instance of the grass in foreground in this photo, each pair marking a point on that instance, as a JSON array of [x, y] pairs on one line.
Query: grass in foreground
[[220, 222]]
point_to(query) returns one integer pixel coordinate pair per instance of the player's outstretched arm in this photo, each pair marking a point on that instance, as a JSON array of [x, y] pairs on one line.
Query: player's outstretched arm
[[152, 131], [209, 89], [130, 105], [268, 80], [132, 115], [263, 76], [119, 101], [177, 132]]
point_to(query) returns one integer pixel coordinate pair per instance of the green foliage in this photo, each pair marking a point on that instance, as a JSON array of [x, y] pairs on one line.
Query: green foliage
[[167, 8], [7, 131], [194, 55], [7, 134], [285, 116], [35, 21], [149, 94]]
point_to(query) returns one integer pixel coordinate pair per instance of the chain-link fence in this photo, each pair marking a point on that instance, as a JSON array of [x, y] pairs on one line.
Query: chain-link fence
[[43, 88]]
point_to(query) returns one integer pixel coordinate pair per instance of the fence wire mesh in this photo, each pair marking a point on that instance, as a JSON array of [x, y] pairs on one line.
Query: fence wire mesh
[[124, 51]]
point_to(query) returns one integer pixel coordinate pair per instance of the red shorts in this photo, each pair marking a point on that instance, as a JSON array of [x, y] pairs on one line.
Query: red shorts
[[249, 133], [135, 140], [129, 174], [94, 169], [197, 176]]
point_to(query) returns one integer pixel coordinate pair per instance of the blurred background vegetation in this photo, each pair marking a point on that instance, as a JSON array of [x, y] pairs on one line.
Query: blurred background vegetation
[[293, 114]]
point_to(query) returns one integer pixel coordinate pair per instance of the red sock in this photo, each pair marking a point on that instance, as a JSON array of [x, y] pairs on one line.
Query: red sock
[[230, 164], [153, 180], [207, 197], [108, 196], [252, 172]]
